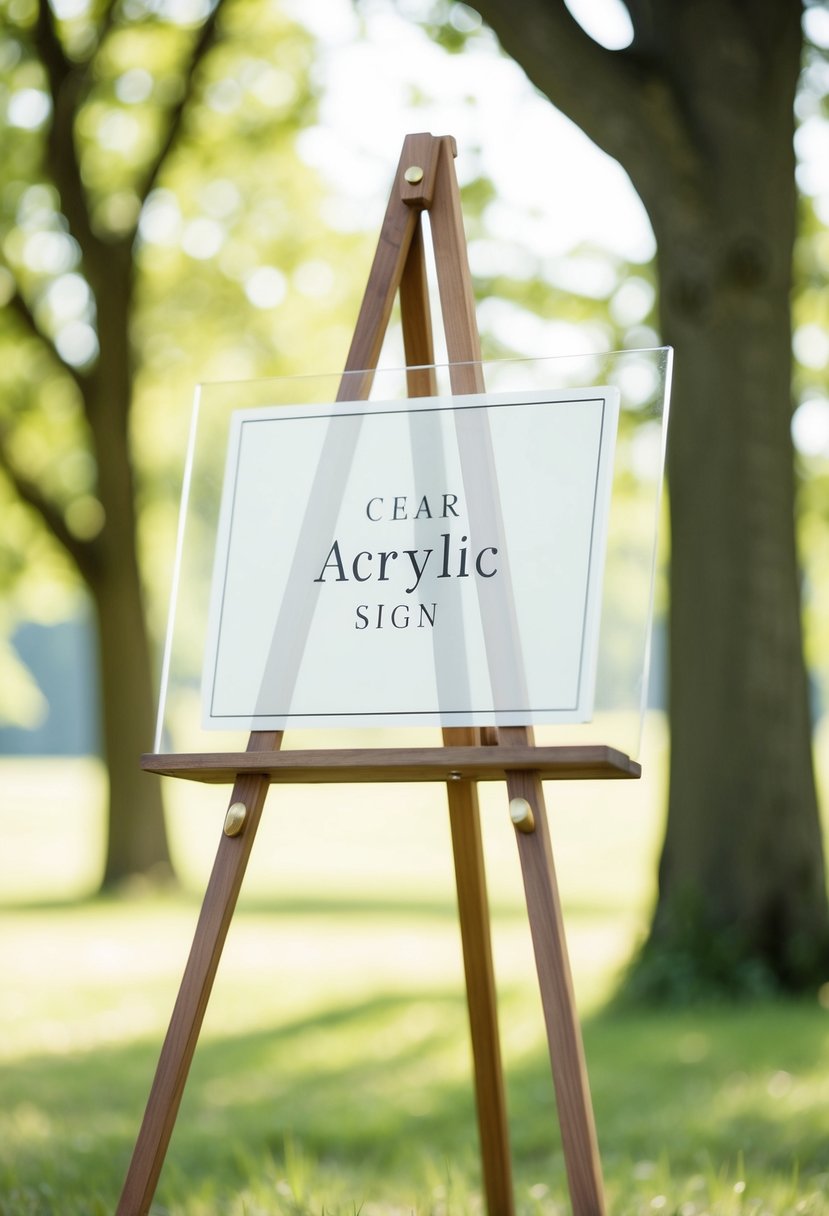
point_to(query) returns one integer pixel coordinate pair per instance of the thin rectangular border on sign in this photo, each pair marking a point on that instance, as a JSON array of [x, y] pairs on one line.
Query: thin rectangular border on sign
[[607, 397]]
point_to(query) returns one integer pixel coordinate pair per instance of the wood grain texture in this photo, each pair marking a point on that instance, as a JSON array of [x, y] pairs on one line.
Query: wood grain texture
[[457, 301], [188, 1013], [462, 793], [416, 320], [482, 1003], [348, 765], [564, 1039], [399, 225]]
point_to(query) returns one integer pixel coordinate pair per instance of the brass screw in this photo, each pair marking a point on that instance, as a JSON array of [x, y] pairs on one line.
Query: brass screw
[[235, 818], [521, 814], [453, 776], [413, 175]]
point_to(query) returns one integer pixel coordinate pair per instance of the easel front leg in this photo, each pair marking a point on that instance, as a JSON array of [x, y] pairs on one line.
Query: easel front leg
[[177, 1053], [575, 1110]]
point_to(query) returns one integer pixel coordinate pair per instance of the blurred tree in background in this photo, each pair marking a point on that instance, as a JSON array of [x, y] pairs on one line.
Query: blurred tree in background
[[151, 191], [700, 111]]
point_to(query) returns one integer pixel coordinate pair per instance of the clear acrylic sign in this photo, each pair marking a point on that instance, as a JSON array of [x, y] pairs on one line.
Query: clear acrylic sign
[[435, 561]]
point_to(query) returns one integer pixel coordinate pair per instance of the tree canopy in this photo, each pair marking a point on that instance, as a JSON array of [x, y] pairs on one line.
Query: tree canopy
[[152, 192]]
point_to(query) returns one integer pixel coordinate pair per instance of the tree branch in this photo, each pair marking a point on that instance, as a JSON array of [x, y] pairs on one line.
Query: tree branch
[[206, 39], [643, 20], [622, 100], [19, 306], [50, 48], [65, 80], [107, 22], [81, 552]]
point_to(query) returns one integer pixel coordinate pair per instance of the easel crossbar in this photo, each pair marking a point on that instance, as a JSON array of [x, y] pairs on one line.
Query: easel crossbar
[[345, 765]]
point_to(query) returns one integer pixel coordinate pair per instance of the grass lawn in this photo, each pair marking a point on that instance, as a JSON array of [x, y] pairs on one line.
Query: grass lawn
[[333, 1070]]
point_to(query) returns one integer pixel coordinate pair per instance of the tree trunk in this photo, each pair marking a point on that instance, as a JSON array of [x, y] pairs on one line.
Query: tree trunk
[[699, 111], [137, 841], [742, 893], [742, 855]]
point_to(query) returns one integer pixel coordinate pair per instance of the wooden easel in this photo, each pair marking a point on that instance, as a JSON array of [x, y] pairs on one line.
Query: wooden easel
[[425, 180]]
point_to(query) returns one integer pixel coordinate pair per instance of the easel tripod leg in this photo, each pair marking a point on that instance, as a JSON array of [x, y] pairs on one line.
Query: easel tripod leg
[[180, 1044], [473, 909], [575, 1110]]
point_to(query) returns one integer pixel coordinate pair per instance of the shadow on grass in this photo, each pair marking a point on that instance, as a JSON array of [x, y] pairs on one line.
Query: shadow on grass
[[380, 1088], [717, 1085], [356, 1085], [316, 906]]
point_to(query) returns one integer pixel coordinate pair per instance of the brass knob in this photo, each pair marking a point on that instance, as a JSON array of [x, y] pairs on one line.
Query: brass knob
[[235, 818], [521, 814], [413, 175]]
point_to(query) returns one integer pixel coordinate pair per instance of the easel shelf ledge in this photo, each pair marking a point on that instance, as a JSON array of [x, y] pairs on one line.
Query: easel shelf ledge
[[399, 764]]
